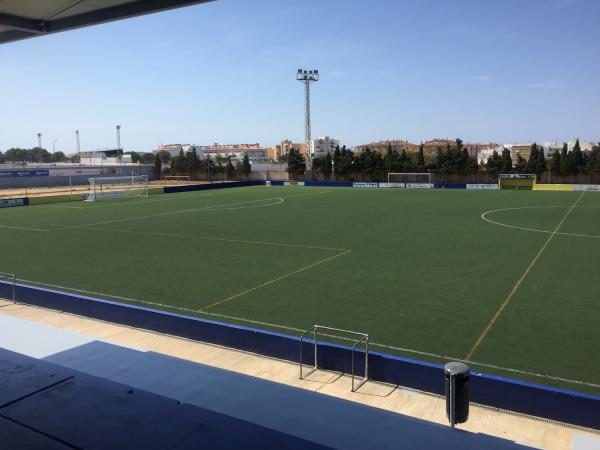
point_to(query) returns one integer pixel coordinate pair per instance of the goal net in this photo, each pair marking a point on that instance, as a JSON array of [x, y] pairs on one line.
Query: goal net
[[516, 181], [409, 180], [104, 188]]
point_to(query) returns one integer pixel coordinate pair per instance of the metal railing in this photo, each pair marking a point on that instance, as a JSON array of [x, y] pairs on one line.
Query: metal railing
[[363, 337], [12, 279]]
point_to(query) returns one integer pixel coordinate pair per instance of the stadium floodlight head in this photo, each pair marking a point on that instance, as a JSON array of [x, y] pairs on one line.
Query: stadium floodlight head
[[307, 77]]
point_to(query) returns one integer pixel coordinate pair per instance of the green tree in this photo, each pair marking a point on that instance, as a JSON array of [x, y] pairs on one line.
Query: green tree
[[506, 161], [178, 164], [344, 162], [593, 164], [296, 163], [147, 158], [192, 162], [157, 166], [540, 166], [230, 170], [421, 159], [564, 160], [135, 157], [494, 164], [2, 158], [246, 166], [555, 163], [59, 157], [327, 165], [522, 166], [165, 157], [578, 163], [533, 158]]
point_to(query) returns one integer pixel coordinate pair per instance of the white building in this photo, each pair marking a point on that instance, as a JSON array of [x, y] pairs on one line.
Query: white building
[[234, 152], [323, 145], [484, 154], [105, 157], [551, 147]]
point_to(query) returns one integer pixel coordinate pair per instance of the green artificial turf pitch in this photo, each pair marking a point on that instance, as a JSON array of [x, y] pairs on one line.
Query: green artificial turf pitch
[[419, 270]]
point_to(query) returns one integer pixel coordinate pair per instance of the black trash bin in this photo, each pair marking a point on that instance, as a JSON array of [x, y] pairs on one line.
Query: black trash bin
[[457, 410]]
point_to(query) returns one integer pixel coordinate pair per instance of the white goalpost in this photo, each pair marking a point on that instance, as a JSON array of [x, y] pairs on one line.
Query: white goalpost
[[105, 188], [517, 181], [420, 180]]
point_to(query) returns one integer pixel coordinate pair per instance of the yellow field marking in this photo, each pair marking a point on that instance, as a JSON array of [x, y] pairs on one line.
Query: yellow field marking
[[210, 238], [298, 330], [519, 282], [274, 280]]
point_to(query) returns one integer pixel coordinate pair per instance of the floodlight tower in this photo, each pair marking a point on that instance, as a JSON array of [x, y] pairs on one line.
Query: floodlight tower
[[118, 137], [77, 142], [39, 135], [307, 77]]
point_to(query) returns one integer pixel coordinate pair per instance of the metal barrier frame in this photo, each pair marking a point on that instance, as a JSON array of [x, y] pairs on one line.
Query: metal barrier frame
[[13, 279], [364, 337]]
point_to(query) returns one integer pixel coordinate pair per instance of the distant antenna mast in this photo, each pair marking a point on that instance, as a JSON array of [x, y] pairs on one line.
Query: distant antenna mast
[[77, 140], [118, 137], [307, 77]]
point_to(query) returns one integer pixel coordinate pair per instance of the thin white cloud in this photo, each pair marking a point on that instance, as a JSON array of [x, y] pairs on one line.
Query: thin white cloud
[[481, 78], [548, 84]]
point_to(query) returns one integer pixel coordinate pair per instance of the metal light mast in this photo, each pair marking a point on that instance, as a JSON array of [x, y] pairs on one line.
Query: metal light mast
[[118, 137], [77, 141], [39, 135], [307, 77]]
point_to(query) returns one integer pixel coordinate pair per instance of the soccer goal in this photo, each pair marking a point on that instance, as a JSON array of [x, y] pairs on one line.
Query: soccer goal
[[517, 181], [420, 180], [104, 188]]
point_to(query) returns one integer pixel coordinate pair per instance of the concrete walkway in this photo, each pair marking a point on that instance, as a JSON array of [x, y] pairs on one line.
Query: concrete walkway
[[83, 352]]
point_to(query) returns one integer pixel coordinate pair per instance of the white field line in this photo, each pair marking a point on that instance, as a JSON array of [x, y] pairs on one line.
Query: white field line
[[210, 238], [94, 205], [537, 230], [204, 208], [299, 330], [277, 201], [221, 207], [21, 228]]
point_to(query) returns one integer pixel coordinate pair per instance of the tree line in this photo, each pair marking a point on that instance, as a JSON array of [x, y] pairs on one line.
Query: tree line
[[452, 159], [32, 155], [192, 165]]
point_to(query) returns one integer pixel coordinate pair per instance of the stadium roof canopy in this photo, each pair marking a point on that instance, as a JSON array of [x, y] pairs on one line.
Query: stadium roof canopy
[[21, 19]]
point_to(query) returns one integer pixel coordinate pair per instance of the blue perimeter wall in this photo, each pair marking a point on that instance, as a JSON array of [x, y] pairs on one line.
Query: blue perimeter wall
[[528, 398], [351, 184], [205, 187]]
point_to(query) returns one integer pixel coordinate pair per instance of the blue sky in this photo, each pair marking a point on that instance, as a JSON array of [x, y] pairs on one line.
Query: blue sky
[[500, 70]]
